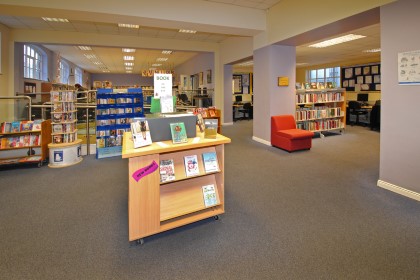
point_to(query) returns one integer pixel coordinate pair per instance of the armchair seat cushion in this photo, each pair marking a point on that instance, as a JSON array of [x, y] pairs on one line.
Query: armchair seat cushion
[[295, 133]]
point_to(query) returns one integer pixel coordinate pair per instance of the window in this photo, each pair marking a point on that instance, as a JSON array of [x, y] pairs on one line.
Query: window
[[33, 60], [78, 76], [324, 75], [64, 72]]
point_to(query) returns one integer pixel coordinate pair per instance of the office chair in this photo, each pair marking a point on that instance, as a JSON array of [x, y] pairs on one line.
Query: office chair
[[356, 110], [375, 116], [247, 109]]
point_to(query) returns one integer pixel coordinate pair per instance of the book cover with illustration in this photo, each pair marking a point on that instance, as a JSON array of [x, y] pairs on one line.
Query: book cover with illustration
[[210, 128], [37, 125], [15, 127], [26, 125], [167, 170], [200, 122], [178, 132], [209, 195], [191, 165], [140, 132], [210, 162]]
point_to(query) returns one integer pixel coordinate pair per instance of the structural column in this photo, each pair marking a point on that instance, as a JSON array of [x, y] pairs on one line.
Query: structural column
[[270, 99]]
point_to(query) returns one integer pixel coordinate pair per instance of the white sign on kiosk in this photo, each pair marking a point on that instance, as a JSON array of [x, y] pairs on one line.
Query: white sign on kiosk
[[162, 85], [163, 91]]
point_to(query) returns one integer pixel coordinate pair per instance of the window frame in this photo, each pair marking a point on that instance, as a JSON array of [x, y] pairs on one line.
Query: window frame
[[34, 62], [324, 75]]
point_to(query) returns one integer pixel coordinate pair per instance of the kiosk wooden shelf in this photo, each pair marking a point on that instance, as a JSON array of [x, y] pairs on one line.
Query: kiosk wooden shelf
[[154, 207]]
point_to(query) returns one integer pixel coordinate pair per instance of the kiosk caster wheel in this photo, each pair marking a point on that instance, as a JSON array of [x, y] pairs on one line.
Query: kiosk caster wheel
[[140, 241], [216, 217]]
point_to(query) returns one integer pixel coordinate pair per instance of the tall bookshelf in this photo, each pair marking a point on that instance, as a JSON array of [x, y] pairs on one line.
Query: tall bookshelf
[[115, 110], [321, 110]]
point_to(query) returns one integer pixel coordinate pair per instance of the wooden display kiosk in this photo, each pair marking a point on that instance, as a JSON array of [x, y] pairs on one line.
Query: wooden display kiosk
[[155, 207]]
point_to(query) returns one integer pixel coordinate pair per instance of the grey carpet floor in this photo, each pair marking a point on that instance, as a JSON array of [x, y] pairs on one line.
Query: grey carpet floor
[[314, 214]]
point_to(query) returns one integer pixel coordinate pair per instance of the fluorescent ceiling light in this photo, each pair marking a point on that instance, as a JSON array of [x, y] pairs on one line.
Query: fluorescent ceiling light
[[162, 59], [187, 31], [127, 25], [128, 50], [97, 62], [338, 40], [84, 48], [157, 64], [128, 57], [55, 19], [166, 52], [128, 63], [106, 71], [129, 71], [372, 50], [301, 63], [128, 68], [90, 56]]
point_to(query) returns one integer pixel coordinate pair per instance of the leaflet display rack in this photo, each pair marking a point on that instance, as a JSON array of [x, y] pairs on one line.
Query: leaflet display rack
[[115, 110]]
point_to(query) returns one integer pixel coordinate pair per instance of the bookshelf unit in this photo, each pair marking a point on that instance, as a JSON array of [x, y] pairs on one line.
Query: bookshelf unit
[[321, 110], [115, 110], [22, 146], [65, 148], [155, 207]]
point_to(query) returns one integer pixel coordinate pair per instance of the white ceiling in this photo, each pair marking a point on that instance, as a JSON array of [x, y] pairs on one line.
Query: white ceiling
[[111, 59]]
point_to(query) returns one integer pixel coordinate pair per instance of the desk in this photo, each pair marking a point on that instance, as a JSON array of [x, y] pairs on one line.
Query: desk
[[365, 121], [236, 108]]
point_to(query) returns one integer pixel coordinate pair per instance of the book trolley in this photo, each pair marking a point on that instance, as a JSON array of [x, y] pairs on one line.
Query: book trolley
[[154, 207], [115, 110]]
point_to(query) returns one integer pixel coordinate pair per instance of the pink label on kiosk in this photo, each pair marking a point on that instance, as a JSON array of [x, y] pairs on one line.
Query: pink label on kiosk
[[142, 172]]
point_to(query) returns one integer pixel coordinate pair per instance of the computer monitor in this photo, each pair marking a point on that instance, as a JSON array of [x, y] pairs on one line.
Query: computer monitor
[[238, 98], [363, 97]]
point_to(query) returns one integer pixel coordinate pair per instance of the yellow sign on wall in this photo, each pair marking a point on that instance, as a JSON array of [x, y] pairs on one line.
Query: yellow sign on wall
[[283, 81]]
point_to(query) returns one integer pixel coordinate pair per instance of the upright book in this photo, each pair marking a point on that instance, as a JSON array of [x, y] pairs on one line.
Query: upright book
[[178, 132], [209, 195], [191, 165], [210, 162], [210, 128], [167, 170], [140, 132]]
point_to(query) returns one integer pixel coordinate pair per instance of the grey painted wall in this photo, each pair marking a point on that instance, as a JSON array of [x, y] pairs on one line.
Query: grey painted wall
[[123, 79], [400, 131]]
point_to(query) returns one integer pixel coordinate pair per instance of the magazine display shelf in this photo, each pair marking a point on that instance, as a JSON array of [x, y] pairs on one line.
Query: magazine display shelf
[[115, 110], [154, 207], [321, 110], [65, 149], [40, 158]]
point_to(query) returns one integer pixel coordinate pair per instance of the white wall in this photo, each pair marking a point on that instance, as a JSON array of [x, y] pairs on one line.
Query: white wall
[[400, 131]]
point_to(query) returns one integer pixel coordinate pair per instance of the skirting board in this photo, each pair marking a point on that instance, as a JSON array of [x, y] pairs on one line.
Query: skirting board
[[229, 123], [399, 190], [262, 141]]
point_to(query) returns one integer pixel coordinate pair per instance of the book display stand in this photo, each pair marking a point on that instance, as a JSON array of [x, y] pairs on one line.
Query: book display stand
[[30, 137], [115, 110], [155, 206], [65, 149]]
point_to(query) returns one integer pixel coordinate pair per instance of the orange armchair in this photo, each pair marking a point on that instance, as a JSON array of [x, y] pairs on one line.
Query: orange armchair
[[286, 136]]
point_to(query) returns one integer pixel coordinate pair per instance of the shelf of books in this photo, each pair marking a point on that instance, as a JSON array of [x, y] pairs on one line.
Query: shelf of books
[[321, 110], [24, 142], [65, 149], [174, 183], [115, 110]]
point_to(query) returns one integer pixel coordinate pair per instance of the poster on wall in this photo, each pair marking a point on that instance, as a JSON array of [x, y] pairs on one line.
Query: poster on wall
[[409, 68], [162, 84]]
